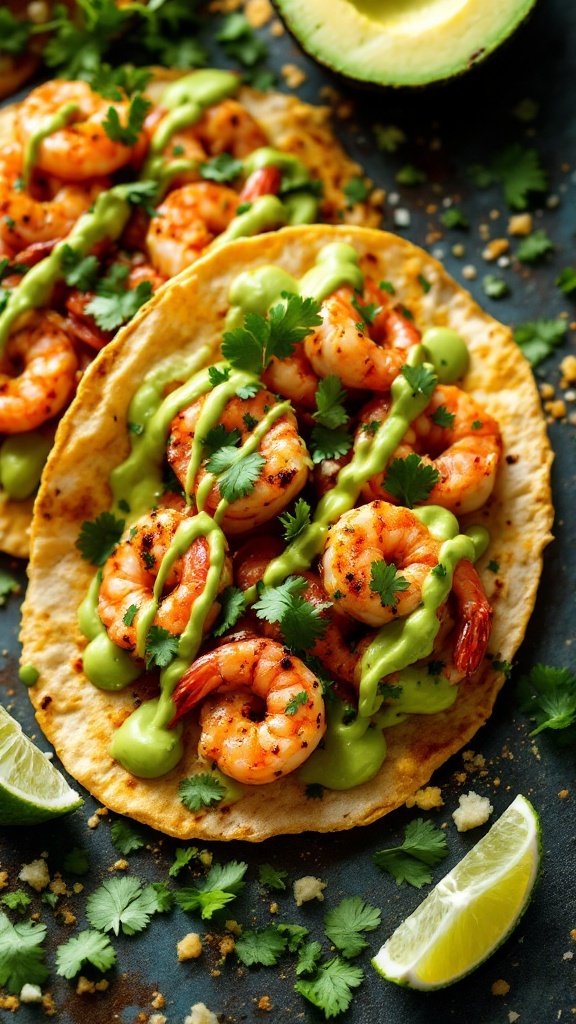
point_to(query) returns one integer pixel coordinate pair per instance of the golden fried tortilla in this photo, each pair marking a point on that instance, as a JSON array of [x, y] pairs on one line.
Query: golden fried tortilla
[[291, 126], [91, 440]]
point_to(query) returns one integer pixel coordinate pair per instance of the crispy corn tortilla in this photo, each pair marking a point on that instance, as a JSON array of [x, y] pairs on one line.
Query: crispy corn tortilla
[[291, 126], [91, 440]]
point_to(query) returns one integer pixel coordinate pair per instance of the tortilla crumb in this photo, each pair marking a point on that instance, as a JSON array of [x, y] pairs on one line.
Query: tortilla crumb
[[546, 390], [3, 879], [158, 1018], [500, 988], [120, 865], [293, 75], [87, 987], [10, 1003], [158, 1001], [258, 12], [569, 955], [190, 947], [568, 370], [226, 946], [93, 822], [495, 248], [273, 908], [36, 874], [67, 917], [31, 994], [469, 272], [58, 886], [513, 1016], [78, 887], [520, 224], [277, 28], [265, 1003], [233, 927], [474, 810], [426, 799], [556, 409], [573, 934], [48, 1004], [200, 1014], [308, 888]]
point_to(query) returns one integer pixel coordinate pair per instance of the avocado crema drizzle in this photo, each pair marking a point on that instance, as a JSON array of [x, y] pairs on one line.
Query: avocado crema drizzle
[[352, 751], [22, 456]]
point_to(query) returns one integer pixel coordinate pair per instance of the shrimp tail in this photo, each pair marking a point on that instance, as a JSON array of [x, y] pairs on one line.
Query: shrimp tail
[[196, 683], [474, 621]]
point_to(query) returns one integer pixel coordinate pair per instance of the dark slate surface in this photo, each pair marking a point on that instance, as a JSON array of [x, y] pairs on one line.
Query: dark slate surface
[[472, 120]]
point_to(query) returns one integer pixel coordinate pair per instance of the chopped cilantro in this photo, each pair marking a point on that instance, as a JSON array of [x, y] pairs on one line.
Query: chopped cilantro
[[454, 218], [221, 168], [88, 947], [345, 923], [421, 379], [233, 605], [237, 474], [218, 437], [79, 271], [308, 957], [126, 837], [272, 878], [502, 666], [202, 790], [439, 570], [113, 304], [495, 287], [291, 320], [548, 695], [8, 585], [566, 280], [410, 479], [519, 172], [355, 190], [17, 900], [249, 421], [98, 537], [128, 134], [164, 897], [182, 856], [385, 582], [296, 702], [261, 946], [21, 954], [50, 898], [388, 137], [368, 311], [442, 418], [121, 904], [217, 375], [539, 338], [130, 615], [295, 935], [14, 33], [534, 247], [300, 622], [329, 444], [424, 846], [251, 346], [295, 523], [424, 283], [114, 83], [240, 41], [493, 566], [220, 886], [330, 988], [410, 175], [161, 647], [330, 396], [387, 286]]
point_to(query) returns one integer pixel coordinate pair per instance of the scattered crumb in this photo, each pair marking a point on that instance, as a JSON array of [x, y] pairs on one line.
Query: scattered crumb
[[569, 955], [10, 1003], [474, 810], [48, 1004], [31, 994], [308, 888], [520, 224], [458, 250], [158, 1001], [200, 1014], [469, 273], [93, 822], [573, 934], [568, 370], [78, 887], [58, 886], [265, 1003], [500, 988], [274, 908], [513, 1016], [102, 812], [426, 799], [233, 927], [87, 987], [67, 917], [258, 12], [546, 390], [293, 75], [495, 248], [277, 28], [226, 946], [3, 879], [564, 794], [158, 1018], [120, 865], [556, 408], [36, 874], [402, 217], [190, 947]]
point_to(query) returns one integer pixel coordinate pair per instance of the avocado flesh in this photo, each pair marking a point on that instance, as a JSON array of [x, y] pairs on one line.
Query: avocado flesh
[[402, 42]]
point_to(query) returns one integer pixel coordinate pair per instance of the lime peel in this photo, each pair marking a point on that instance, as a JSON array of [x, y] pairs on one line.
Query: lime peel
[[472, 910], [31, 788]]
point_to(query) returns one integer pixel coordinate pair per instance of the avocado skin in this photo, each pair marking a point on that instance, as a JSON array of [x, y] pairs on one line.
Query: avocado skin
[[476, 60]]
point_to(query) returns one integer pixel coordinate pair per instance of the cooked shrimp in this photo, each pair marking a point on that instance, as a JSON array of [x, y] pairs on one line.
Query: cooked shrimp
[[286, 460], [43, 215], [130, 572], [267, 715], [38, 373], [263, 182], [82, 149], [227, 127], [473, 620], [466, 452], [187, 221], [293, 378], [369, 535], [362, 355]]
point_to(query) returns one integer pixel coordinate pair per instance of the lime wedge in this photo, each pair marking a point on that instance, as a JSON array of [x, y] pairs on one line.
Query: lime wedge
[[31, 788], [471, 910]]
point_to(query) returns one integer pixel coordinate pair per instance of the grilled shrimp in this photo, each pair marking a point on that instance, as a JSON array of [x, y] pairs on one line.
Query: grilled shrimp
[[286, 460], [458, 438], [363, 355], [266, 715], [130, 572], [44, 214], [227, 127], [187, 221], [38, 373]]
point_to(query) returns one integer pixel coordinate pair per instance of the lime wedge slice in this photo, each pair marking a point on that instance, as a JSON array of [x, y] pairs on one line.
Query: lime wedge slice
[[31, 788], [471, 910]]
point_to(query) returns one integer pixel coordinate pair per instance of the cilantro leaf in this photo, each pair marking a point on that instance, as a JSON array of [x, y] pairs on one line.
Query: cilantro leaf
[[295, 935], [8, 585], [308, 957], [160, 648], [126, 837], [217, 376], [121, 904], [356, 190], [442, 418], [111, 308], [330, 989], [271, 877], [261, 946], [114, 83], [98, 537], [345, 923], [291, 320], [221, 168], [88, 947], [421, 379], [296, 702], [17, 900], [251, 346], [202, 790], [244, 346], [410, 175], [295, 523], [385, 582], [534, 247], [330, 396], [240, 41], [454, 218], [236, 475], [423, 847], [329, 444], [300, 622], [566, 280], [274, 602], [79, 271], [128, 134], [410, 479], [388, 137], [548, 695], [21, 954], [183, 856], [233, 606], [519, 172], [218, 437], [539, 338], [14, 33], [164, 897], [221, 885]]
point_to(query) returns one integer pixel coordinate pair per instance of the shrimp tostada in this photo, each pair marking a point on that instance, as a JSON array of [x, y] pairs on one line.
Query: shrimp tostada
[[290, 532], [103, 197]]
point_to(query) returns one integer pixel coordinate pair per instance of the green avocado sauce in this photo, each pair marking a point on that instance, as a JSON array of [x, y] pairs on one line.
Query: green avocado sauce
[[52, 124], [22, 459], [28, 675]]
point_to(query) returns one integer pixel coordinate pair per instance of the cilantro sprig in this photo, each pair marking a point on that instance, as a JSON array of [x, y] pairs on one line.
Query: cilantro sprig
[[221, 885], [121, 904], [387, 583], [21, 954], [129, 133], [98, 537], [410, 479], [252, 346], [539, 338], [294, 523], [201, 790], [346, 923], [424, 846], [301, 623], [114, 304], [88, 947], [548, 695]]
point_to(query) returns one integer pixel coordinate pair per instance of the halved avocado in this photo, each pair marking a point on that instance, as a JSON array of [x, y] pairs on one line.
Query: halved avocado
[[402, 42]]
